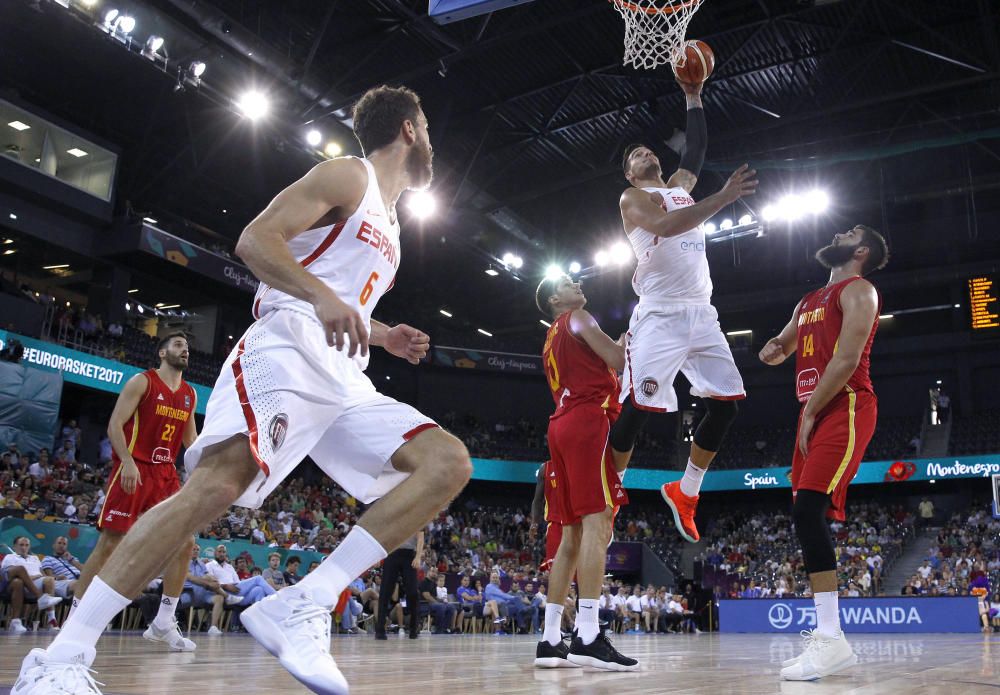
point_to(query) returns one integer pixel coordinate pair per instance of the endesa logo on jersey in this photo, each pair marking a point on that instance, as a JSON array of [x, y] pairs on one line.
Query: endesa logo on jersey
[[378, 240]]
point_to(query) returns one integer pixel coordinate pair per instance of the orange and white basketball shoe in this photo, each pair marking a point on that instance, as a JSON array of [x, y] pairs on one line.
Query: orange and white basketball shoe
[[684, 508]]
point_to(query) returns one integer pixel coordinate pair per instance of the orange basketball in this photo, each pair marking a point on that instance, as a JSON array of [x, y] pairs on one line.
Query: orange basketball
[[699, 61]]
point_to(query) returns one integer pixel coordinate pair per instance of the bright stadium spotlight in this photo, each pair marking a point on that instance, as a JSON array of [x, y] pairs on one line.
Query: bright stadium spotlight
[[254, 104], [421, 204], [574, 267], [621, 253], [769, 213], [126, 24], [491, 271], [517, 262], [553, 272], [332, 149], [792, 207], [816, 201], [109, 19], [601, 259], [726, 224], [709, 227], [314, 137], [746, 219], [153, 44], [507, 259]]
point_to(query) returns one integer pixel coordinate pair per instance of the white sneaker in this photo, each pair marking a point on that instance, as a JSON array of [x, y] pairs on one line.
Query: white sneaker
[[213, 631], [171, 636], [809, 637], [59, 671], [46, 602], [16, 627], [824, 656], [297, 631]]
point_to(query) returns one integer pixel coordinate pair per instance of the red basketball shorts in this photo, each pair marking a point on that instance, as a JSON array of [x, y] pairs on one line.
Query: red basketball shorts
[[581, 479], [121, 509], [836, 447]]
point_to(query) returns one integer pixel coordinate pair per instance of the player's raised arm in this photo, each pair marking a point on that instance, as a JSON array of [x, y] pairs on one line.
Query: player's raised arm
[[338, 183], [640, 210], [859, 303], [582, 324], [125, 406], [696, 132], [782, 346]]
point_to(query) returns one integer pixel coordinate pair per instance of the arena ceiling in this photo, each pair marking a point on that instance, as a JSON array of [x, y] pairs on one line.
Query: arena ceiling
[[890, 105]]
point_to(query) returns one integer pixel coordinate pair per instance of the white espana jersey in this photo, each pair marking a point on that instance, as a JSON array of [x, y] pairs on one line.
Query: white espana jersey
[[356, 258], [672, 269]]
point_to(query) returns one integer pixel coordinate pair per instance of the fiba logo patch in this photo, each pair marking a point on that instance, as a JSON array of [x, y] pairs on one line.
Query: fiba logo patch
[[780, 616], [649, 386], [277, 429]]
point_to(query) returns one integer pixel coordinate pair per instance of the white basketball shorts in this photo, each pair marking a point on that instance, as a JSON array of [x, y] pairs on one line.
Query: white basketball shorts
[[664, 339], [294, 396]]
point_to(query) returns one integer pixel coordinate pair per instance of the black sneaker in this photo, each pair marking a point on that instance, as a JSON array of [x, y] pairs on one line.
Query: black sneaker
[[547, 656], [381, 635], [600, 654]]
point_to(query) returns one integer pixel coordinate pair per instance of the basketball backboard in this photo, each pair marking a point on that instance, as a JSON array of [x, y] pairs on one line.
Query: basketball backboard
[[448, 11]]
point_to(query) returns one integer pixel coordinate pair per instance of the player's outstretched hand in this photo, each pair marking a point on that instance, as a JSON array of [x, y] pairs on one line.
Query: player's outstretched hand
[[742, 183], [772, 353], [407, 342], [691, 88], [338, 320]]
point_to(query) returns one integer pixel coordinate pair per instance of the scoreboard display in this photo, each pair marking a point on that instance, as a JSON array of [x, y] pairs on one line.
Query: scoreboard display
[[984, 305]]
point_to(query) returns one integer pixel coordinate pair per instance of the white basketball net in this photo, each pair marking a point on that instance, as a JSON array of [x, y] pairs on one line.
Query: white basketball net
[[654, 30]]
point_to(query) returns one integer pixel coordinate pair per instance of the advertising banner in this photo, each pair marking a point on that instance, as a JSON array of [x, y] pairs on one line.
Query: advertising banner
[[83, 368], [624, 557], [902, 614], [211, 265], [509, 362]]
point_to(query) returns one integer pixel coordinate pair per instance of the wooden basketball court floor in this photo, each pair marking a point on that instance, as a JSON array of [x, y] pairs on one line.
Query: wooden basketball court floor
[[711, 664]]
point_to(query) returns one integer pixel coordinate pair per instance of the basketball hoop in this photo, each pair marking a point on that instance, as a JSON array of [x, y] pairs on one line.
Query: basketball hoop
[[654, 30]]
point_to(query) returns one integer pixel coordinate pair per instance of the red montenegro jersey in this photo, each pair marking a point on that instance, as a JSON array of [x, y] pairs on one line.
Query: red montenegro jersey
[[576, 374], [156, 429], [819, 322]]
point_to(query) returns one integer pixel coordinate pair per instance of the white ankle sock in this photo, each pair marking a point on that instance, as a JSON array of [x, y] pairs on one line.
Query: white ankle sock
[[586, 620], [165, 616], [691, 482], [96, 610], [353, 556], [553, 624], [827, 613]]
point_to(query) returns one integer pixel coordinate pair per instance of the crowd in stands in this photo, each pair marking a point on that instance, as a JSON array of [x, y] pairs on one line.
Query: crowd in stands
[[757, 555]]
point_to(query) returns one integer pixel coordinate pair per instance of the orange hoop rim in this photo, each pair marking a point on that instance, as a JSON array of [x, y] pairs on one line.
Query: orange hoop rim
[[669, 9]]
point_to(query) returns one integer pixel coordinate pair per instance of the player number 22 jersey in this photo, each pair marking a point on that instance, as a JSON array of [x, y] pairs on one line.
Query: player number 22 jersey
[[155, 431], [575, 373]]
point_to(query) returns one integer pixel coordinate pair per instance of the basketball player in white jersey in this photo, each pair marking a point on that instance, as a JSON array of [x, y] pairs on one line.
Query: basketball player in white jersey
[[675, 327], [325, 250]]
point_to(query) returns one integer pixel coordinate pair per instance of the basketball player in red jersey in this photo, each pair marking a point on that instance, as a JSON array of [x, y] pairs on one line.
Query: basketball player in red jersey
[[325, 250], [831, 333], [580, 362], [153, 416]]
